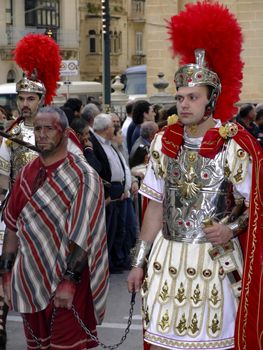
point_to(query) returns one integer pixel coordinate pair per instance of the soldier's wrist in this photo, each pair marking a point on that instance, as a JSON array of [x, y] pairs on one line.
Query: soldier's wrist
[[239, 226], [142, 250]]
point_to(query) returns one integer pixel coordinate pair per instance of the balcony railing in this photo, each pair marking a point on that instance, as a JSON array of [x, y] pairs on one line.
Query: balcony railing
[[65, 38], [138, 59], [138, 10]]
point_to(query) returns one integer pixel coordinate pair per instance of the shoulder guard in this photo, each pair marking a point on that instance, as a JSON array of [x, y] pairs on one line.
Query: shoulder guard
[[158, 159], [237, 160]]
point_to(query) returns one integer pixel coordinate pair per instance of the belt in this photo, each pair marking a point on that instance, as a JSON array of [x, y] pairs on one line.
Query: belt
[[196, 236]]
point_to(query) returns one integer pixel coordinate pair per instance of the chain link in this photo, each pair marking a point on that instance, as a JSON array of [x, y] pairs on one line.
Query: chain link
[[123, 338], [86, 330], [30, 330]]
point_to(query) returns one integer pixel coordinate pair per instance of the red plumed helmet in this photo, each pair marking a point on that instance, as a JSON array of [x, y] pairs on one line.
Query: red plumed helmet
[[213, 29], [38, 56]]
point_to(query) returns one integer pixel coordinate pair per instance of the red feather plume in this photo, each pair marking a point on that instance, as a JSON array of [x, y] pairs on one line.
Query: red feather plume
[[212, 27], [40, 52]]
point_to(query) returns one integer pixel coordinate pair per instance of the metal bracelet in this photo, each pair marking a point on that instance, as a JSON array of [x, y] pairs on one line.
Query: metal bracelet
[[240, 225], [142, 249], [72, 276], [7, 261]]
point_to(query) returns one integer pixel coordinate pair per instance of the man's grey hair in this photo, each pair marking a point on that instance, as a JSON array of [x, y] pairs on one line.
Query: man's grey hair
[[55, 110], [89, 112], [147, 129], [102, 122]]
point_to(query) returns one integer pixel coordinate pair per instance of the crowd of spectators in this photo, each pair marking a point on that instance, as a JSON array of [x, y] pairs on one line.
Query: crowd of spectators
[[104, 138]]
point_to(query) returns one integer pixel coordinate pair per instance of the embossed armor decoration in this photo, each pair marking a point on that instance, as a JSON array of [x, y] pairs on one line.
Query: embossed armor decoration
[[187, 299], [185, 292], [20, 155]]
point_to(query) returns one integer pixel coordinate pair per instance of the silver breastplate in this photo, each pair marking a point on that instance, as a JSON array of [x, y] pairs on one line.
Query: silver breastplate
[[20, 155], [195, 189]]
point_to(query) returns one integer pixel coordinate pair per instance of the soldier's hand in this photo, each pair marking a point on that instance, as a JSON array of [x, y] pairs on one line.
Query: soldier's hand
[[218, 233], [135, 279]]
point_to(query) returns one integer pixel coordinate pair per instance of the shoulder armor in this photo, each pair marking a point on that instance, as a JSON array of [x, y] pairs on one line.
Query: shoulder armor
[[237, 160], [158, 159]]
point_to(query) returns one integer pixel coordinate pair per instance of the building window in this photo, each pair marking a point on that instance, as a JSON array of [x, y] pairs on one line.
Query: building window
[[115, 42], [42, 13], [138, 47], [9, 12], [111, 42], [120, 41], [92, 41], [138, 7], [11, 76]]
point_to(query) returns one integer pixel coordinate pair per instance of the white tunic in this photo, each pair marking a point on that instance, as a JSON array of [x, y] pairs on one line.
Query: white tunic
[[188, 301]]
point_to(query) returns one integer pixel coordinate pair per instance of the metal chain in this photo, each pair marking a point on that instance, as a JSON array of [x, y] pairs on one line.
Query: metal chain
[[93, 337], [29, 328], [86, 330]]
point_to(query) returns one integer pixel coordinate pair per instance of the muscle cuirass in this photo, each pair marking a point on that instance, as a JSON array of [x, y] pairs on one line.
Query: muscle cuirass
[[196, 189], [20, 155]]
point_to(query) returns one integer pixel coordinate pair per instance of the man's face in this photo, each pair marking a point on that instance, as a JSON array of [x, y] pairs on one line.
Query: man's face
[[84, 136], [109, 132], [28, 104], [118, 139], [49, 135], [149, 116], [116, 120], [252, 115], [191, 104]]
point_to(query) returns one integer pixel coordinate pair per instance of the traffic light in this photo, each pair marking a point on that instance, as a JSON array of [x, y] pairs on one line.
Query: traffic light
[[105, 16]]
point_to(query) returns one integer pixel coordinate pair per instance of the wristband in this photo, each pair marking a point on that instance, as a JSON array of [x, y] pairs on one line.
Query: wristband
[[142, 249], [73, 276], [239, 226], [7, 262]]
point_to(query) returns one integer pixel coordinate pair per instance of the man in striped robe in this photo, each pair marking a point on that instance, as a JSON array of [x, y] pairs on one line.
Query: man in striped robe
[[55, 251]]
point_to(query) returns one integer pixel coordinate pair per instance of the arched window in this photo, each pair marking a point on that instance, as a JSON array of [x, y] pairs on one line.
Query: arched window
[[92, 41], [115, 42], [111, 42], [120, 41], [11, 76]]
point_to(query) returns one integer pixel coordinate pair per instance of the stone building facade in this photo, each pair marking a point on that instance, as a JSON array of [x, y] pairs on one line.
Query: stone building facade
[[127, 36], [144, 40], [20, 17], [249, 14]]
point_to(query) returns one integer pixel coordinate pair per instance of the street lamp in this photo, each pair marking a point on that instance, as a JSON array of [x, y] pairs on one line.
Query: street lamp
[[106, 53]]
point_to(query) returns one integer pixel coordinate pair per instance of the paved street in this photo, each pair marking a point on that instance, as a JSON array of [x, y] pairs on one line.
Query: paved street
[[112, 329]]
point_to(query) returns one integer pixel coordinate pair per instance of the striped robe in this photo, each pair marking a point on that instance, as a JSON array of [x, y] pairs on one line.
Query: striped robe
[[68, 206]]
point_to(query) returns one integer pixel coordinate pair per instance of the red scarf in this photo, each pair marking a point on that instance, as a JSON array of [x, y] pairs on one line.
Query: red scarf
[[249, 322]]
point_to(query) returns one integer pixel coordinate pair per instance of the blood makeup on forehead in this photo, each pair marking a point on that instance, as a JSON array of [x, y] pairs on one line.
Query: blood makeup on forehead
[[57, 125]]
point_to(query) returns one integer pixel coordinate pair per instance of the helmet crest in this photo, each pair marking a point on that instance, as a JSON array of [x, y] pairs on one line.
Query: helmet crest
[[38, 56], [212, 29]]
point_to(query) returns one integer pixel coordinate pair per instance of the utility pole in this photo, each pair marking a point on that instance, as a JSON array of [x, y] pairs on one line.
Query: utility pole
[[106, 54]]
